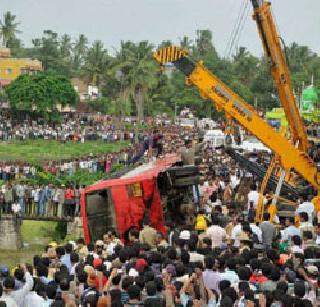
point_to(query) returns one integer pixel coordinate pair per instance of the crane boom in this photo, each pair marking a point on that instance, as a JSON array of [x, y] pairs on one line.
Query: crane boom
[[280, 71], [210, 87]]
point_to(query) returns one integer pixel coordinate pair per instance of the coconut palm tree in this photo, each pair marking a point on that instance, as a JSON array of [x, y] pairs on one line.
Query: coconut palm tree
[[186, 43], [138, 72], [95, 63], [80, 48], [65, 46], [8, 28]]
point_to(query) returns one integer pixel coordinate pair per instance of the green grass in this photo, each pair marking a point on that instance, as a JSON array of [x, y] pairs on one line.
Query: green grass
[[38, 232], [36, 235], [36, 151]]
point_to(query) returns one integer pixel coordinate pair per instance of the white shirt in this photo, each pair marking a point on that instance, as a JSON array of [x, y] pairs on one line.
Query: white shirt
[[184, 235], [308, 208], [235, 234], [222, 184], [16, 208], [195, 257], [208, 208], [231, 276], [253, 197], [10, 302], [295, 249], [289, 232], [32, 299], [35, 195], [257, 231], [217, 234], [234, 181]]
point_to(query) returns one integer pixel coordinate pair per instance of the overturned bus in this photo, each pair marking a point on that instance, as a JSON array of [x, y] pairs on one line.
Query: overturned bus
[[161, 189]]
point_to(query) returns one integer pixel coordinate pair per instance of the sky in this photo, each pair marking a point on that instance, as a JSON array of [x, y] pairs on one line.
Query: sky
[[156, 20]]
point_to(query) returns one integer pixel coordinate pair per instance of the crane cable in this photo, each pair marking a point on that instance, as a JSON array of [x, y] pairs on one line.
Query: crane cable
[[234, 28], [238, 27], [241, 29]]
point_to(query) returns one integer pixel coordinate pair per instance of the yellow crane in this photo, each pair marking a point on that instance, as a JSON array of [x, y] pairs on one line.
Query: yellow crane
[[234, 107], [271, 42]]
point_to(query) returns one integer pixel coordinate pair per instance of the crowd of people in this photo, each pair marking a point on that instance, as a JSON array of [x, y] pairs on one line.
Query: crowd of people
[[219, 264], [223, 258], [23, 199], [72, 127], [19, 197]]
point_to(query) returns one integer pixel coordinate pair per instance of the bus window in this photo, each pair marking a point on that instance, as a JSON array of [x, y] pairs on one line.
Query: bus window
[[100, 214]]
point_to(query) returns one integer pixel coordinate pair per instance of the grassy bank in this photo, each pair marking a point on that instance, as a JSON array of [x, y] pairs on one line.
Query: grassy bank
[[36, 235], [36, 151]]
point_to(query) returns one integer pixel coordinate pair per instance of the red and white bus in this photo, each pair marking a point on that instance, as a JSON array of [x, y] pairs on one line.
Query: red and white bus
[[120, 204]]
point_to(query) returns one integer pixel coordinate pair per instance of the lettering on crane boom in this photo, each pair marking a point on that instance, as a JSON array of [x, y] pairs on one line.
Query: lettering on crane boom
[[237, 105], [221, 93], [243, 110]]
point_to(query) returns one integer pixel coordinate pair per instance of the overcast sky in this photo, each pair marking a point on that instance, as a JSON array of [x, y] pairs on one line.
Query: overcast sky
[[157, 20]]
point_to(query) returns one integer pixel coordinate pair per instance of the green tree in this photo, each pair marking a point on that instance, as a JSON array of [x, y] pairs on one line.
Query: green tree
[[186, 43], [138, 70], [95, 65], [204, 43], [47, 50], [80, 48], [8, 29], [65, 46], [41, 93]]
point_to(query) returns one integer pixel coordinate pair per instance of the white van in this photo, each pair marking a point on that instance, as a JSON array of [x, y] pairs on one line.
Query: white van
[[216, 137]]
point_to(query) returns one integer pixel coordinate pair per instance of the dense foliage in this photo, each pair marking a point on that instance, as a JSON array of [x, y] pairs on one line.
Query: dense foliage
[[41, 93], [132, 84]]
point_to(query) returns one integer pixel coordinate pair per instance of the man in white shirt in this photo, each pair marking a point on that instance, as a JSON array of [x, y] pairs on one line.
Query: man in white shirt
[[235, 233], [230, 272], [17, 295], [307, 207], [255, 229], [16, 208], [194, 256], [290, 230], [253, 197], [305, 224], [216, 234], [235, 181]]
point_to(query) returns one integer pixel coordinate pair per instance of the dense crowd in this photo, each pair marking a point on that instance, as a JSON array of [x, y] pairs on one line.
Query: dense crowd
[[20, 197], [139, 143], [224, 258], [73, 127], [184, 267]]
